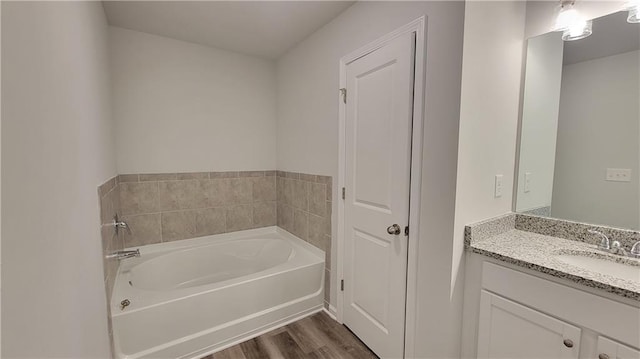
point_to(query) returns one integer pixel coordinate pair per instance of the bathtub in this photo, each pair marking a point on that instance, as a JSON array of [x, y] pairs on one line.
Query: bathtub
[[193, 297]]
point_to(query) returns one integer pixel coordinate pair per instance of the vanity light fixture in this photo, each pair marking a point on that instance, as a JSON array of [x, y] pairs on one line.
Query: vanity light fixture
[[634, 12], [572, 24]]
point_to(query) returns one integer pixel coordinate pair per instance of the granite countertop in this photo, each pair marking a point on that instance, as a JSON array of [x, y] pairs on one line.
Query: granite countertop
[[539, 252]]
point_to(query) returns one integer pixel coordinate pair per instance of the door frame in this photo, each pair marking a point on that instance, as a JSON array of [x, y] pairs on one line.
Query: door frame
[[418, 27]]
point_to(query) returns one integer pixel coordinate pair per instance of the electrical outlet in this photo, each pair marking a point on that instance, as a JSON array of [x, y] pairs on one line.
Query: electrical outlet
[[618, 175], [498, 187], [527, 182]]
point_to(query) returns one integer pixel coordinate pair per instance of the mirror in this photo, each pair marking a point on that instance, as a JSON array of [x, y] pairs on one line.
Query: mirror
[[579, 155]]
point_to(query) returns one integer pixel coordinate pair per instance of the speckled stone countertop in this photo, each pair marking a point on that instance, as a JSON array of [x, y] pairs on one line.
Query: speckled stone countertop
[[500, 238]]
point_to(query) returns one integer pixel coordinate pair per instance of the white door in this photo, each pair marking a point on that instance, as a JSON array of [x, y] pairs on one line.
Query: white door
[[608, 349], [510, 330], [378, 122]]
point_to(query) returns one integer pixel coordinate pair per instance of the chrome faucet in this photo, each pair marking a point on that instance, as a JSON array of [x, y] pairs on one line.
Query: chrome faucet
[[605, 244], [616, 248], [120, 255], [117, 224], [635, 250]]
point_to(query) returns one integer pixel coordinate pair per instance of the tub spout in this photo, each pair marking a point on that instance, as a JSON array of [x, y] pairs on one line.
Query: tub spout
[[123, 254]]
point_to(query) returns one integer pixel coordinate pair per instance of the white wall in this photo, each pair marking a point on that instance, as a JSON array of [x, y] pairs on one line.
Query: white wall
[[491, 77], [183, 107], [598, 129], [56, 149], [541, 15], [308, 139], [539, 126]]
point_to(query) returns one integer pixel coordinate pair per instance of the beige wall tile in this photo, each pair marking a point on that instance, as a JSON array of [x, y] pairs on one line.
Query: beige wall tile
[[327, 254], [287, 191], [214, 191], [301, 224], [193, 175], [300, 197], [316, 231], [317, 199], [264, 214], [139, 197], [285, 217], [228, 174], [144, 177], [145, 229], [108, 238], [210, 221], [106, 187], [178, 225], [107, 210], [186, 194], [127, 178], [264, 189], [251, 174], [327, 228], [307, 178], [279, 189], [239, 217], [239, 191]]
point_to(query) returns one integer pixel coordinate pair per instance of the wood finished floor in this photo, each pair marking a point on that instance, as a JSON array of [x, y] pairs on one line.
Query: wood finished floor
[[314, 337]]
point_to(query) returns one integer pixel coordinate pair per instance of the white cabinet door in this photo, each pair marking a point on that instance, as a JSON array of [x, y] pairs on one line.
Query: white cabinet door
[[509, 330], [608, 349]]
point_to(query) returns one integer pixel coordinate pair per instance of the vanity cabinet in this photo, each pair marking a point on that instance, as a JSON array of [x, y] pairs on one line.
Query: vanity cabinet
[[511, 330], [609, 349], [513, 314]]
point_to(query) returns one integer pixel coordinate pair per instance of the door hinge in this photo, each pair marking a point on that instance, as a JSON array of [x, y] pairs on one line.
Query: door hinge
[[343, 92], [406, 230], [344, 191], [342, 285]]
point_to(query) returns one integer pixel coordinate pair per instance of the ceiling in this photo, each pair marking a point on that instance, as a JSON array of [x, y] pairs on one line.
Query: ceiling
[[612, 35], [259, 28]]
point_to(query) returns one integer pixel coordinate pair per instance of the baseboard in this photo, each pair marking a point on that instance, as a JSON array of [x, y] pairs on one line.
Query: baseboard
[[328, 312], [259, 332]]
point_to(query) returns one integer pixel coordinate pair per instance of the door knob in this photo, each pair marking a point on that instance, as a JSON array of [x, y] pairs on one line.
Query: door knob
[[393, 229]]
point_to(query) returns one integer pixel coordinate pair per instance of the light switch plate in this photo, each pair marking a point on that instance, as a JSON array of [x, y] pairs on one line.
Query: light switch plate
[[498, 186], [618, 174], [527, 182]]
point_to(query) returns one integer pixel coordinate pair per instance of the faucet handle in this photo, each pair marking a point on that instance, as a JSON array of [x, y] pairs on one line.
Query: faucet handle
[[617, 248], [605, 244], [635, 250], [117, 224]]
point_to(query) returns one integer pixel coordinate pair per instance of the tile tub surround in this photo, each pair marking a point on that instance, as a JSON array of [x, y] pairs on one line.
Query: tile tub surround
[[304, 209], [109, 199], [165, 207], [516, 239]]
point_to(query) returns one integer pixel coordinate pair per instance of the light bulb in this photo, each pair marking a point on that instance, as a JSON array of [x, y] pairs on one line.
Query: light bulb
[[566, 18], [634, 11], [578, 30], [634, 16]]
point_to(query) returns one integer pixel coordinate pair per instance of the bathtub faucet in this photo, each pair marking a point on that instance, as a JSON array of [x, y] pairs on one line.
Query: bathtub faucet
[[123, 254]]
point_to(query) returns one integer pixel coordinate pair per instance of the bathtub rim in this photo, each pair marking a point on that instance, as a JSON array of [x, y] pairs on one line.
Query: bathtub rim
[[121, 290], [246, 234]]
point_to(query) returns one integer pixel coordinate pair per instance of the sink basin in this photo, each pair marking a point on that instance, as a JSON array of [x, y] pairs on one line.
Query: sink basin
[[626, 269]]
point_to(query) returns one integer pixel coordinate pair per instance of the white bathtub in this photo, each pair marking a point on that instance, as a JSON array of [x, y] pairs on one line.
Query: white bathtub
[[193, 297]]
